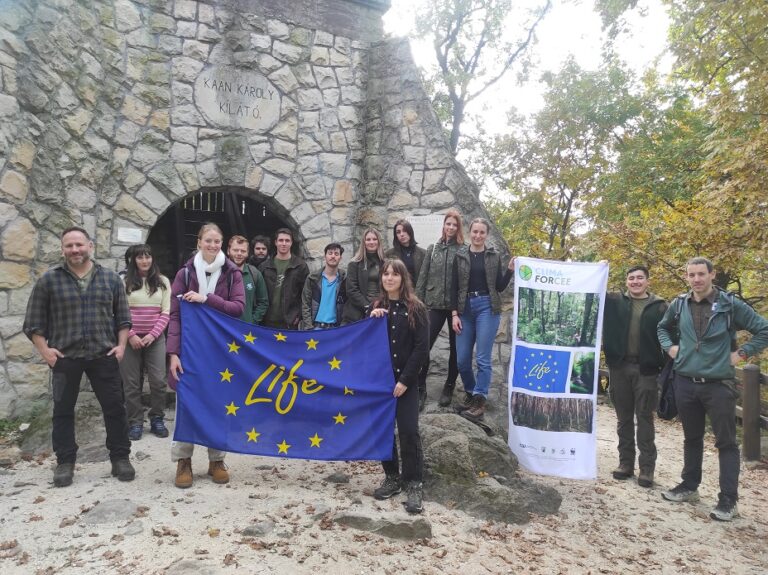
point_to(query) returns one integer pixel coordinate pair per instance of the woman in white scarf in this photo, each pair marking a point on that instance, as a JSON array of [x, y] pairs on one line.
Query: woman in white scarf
[[208, 278]]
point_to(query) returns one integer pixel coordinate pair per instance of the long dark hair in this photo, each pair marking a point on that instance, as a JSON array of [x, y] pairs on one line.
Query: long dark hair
[[133, 279], [407, 228], [416, 309]]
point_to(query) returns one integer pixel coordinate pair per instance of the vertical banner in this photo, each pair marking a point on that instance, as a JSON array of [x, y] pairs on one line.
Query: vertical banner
[[553, 372]]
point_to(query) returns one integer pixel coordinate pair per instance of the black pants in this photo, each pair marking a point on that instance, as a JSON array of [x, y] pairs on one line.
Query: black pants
[[437, 317], [407, 418], [104, 375]]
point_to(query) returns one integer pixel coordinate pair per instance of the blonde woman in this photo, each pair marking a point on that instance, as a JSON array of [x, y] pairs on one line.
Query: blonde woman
[[363, 276]]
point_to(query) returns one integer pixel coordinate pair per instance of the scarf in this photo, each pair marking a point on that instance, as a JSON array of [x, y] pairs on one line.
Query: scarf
[[208, 285]]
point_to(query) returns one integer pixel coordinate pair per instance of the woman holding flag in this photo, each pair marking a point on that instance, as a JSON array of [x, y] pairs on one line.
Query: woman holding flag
[[208, 278], [408, 330]]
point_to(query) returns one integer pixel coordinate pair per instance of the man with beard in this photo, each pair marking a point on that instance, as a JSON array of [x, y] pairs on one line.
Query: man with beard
[[256, 301], [284, 275], [325, 292], [259, 250]]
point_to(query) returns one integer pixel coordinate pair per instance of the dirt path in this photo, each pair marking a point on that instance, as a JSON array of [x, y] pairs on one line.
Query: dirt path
[[275, 517]]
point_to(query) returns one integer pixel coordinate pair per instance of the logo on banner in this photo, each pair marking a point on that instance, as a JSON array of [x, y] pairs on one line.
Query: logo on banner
[[543, 371], [525, 273]]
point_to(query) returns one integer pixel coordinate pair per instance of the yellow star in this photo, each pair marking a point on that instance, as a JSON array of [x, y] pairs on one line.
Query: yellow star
[[282, 447], [311, 343], [339, 418], [250, 338], [280, 337], [232, 408], [335, 363], [233, 347], [348, 391], [253, 435], [226, 375], [315, 441]]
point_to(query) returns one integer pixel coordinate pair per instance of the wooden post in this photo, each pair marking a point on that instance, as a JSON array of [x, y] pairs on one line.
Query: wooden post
[[750, 404]]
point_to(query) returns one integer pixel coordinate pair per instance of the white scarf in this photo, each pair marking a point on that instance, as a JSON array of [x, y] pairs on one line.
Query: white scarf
[[207, 285]]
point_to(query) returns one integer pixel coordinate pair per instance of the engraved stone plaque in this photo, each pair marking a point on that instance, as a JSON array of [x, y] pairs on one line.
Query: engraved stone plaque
[[233, 98]]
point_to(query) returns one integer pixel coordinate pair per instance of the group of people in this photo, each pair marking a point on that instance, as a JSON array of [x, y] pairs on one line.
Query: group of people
[[83, 318], [697, 332]]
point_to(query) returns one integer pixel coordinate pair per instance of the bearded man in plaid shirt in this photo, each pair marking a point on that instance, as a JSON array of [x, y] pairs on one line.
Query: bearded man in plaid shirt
[[78, 319]]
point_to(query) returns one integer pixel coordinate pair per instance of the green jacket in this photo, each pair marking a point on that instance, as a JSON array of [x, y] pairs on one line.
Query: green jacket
[[616, 318], [710, 356], [256, 299], [434, 284], [496, 279]]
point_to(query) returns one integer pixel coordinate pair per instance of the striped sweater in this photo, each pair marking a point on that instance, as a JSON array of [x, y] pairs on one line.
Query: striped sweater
[[150, 314]]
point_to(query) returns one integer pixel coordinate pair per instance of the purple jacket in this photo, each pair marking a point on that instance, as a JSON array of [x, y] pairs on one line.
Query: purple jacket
[[226, 298]]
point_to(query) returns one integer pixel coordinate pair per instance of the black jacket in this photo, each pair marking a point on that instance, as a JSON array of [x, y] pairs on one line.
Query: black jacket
[[408, 346], [618, 309], [418, 258], [293, 284]]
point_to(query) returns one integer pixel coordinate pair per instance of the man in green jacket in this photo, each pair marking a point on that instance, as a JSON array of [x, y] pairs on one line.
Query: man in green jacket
[[634, 360], [256, 301], [699, 334]]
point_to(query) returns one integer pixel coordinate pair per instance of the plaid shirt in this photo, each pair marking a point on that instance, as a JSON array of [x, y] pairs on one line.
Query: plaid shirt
[[80, 325]]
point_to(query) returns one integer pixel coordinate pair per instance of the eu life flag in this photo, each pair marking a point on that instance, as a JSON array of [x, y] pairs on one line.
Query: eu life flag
[[322, 394], [540, 370]]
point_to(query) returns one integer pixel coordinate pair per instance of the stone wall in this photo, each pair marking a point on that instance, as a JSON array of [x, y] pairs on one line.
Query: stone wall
[[112, 110]]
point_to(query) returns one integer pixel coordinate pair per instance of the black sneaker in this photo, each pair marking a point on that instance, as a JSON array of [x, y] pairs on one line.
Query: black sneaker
[[415, 495], [135, 431], [725, 510], [123, 470], [389, 487], [680, 493], [157, 426], [63, 474]]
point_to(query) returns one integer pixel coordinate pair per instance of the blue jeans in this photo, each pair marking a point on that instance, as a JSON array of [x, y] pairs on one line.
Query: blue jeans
[[478, 326]]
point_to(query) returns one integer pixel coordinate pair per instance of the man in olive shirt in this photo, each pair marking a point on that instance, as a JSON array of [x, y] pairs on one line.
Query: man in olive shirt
[[634, 359], [284, 275], [256, 301], [78, 319]]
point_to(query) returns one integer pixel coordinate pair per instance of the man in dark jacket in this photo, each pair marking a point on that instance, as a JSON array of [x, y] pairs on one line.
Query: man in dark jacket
[[285, 275], [256, 300], [325, 292], [634, 359]]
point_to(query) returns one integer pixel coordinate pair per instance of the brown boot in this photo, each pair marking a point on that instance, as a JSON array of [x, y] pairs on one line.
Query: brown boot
[[465, 404], [184, 473], [477, 411], [623, 471], [645, 478], [218, 471]]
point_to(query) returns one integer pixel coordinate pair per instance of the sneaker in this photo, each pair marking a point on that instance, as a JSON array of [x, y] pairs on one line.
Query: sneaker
[[623, 471], [63, 474], [725, 510], [123, 470], [422, 399], [157, 427], [135, 432], [184, 473], [218, 472], [388, 488], [681, 493], [415, 494]]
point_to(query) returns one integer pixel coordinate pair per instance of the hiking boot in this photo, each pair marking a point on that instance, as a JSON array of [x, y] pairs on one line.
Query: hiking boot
[[466, 402], [62, 475], [623, 471], [477, 411], [388, 488], [123, 470], [447, 395], [645, 478], [415, 495], [184, 473], [725, 510], [218, 471], [157, 426], [681, 493], [135, 431], [422, 399]]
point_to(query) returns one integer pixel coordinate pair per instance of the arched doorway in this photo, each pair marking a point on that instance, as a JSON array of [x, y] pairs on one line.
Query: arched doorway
[[174, 236]]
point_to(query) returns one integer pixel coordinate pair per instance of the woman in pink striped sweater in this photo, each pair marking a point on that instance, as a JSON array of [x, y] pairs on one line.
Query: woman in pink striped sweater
[[149, 298]]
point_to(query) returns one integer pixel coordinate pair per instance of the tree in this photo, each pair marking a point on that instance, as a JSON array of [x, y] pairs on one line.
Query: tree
[[472, 51]]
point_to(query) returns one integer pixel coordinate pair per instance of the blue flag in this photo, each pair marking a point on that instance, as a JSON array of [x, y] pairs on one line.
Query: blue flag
[[322, 394], [540, 370]]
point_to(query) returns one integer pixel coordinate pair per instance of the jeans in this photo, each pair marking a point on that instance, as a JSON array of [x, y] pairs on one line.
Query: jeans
[[437, 317], [104, 375], [634, 395], [717, 400], [478, 330], [131, 370], [407, 418]]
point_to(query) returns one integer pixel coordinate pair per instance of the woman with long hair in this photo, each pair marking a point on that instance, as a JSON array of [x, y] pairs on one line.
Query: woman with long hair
[[149, 299], [478, 278], [405, 249], [363, 276], [434, 289], [208, 278], [408, 345]]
